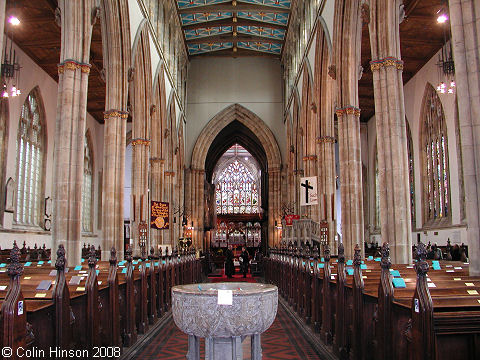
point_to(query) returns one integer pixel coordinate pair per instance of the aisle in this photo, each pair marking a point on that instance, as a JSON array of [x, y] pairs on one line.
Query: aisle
[[281, 341], [238, 277]]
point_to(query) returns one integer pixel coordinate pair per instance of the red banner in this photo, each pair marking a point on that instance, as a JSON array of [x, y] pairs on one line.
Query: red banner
[[289, 219], [159, 215]]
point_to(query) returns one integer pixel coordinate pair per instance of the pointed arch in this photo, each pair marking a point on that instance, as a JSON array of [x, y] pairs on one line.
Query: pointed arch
[[328, 38], [308, 71], [247, 118], [232, 120], [159, 113], [31, 150]]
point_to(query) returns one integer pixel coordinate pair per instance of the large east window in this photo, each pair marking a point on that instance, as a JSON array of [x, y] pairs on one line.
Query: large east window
[[236, 185], [30, 172]]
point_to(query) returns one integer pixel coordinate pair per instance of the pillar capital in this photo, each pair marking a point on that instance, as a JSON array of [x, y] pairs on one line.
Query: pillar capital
[[310, 157], [348, 110], [140, 141], [73, 65], [113, 113], [386, 62], [157, 160], [326, 139]]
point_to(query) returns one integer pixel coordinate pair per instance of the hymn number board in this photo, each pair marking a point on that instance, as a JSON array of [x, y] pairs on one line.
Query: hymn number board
[[323, 232]]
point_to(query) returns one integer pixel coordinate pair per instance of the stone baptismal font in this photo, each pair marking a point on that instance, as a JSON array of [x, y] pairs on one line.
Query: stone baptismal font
[[224, 314]]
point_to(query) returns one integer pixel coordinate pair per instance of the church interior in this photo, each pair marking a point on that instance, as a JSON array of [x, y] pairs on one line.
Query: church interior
[[150, 144]]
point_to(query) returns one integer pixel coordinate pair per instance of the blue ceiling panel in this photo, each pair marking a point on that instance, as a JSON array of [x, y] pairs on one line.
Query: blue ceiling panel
[[261, 46], [268, 17], [207, 31], [195, 49], [266, 32]]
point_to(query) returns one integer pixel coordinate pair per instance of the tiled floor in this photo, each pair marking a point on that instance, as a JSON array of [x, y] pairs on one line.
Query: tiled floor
[[282, 340]]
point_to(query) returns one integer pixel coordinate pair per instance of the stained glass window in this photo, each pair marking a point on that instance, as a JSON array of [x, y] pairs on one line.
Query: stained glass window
[[411, 174], [87, 189], [436, 194], [377, 192], [30, 150], [236, 190], [3, 142]]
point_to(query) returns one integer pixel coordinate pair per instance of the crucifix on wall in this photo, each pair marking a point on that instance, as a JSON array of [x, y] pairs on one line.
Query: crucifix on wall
[[308, 191]]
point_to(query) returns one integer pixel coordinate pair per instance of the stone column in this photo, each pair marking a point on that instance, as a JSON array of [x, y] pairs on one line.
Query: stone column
[[350, 177], [387, 66], [2, 25], [347, 43], [77, 20], [273, 205], [113, 181], [116, 57], [140, 97], [195, 203], [465, 25], [140, 200], [326, 150]]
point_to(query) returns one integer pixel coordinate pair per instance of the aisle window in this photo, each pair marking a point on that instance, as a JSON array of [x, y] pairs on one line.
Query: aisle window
[[30, 169]]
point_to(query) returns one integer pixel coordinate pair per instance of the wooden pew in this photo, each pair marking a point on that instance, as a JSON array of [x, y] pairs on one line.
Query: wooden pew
[[368, 318], [13, 315], [79, 313], [152, 288]]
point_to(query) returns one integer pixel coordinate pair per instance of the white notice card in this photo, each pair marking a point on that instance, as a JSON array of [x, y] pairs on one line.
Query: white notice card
[[225, 297]]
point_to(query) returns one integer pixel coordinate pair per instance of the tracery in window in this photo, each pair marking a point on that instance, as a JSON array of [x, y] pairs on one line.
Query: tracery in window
[[87, 188], [411, 173], [237, 183], [236, 190], [377, 192], [30, 151], [436, 189]]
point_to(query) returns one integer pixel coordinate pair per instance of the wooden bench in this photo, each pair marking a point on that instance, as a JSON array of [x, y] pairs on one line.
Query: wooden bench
[[89, 305], [359, 312]]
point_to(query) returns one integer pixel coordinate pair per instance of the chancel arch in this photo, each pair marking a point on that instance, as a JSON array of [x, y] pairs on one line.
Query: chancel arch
[[234, 124]]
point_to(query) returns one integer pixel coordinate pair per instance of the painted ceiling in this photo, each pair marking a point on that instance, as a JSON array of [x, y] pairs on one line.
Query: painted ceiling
[[234, 28]]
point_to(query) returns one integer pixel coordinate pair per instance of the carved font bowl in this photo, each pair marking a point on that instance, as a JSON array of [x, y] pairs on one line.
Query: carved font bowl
[[196, 311]]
